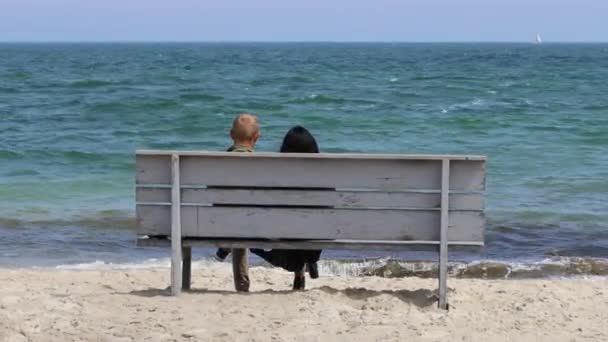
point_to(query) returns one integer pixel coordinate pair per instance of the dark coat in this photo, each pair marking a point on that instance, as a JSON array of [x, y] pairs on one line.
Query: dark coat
[[292, 260]]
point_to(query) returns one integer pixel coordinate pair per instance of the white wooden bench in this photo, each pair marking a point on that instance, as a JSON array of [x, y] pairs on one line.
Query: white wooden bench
[[276, 200]]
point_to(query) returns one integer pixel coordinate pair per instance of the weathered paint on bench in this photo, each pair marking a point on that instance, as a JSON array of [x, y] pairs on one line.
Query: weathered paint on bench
[[304, 197], [304, 223], [388, 173]]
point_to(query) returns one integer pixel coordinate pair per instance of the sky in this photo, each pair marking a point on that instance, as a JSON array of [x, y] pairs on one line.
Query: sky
[[303, 20]]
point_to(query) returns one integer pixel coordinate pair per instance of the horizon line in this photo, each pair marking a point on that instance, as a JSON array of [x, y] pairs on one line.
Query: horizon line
[[293, 41]]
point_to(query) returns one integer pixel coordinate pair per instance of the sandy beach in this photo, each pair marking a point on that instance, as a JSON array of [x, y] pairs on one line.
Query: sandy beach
[[133, 305]]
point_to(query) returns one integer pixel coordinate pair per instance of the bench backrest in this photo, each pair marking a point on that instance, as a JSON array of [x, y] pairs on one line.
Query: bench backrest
[[311, 196]]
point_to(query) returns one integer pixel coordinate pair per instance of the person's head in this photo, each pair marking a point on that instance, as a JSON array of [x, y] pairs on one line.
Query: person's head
[[245, 130], [299, 140]]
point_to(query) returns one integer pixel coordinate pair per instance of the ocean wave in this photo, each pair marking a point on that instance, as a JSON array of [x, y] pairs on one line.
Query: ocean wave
[[473, 104], [108, 107], [115, 160], [152, 263], [91, 83], [200, 97], [18, 75], [445, 77], [103, 219], [488, 269], [102, 265], [261, 106], [298, 79], [77, 156], [596, 107], [486, 106], [21, 172], [7, 90], [319, 99], [406, 94], [325, 99], [595, 137], [428, 78], [9, 155], [137, 106], [291, 80], [390, 268]]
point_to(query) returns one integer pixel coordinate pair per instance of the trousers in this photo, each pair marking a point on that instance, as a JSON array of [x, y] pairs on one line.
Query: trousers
[[240, 269]]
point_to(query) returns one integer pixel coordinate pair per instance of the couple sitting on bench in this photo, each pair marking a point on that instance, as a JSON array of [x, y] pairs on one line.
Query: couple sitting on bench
[[303, 201], [245, 133]]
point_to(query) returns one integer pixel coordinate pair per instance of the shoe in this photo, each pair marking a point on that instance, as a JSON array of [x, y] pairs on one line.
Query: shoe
[[221, 254], [299, 282], [313, 270]]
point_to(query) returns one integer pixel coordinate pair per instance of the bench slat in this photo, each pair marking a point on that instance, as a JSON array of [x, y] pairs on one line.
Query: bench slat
[[344, 199], [289, 223], [321, 155], [310, 172], [310, 244]]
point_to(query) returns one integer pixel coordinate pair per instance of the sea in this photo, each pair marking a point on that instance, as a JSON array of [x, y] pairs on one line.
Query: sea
[[72, 115]]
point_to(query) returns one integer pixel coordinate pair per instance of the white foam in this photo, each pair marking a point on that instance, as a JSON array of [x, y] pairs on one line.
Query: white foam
[[478, 102], [153, 263], [347, 268], [326, 267], [466, 105]]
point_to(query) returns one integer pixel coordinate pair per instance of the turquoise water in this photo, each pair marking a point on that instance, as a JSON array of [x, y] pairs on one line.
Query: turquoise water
[[71, 116]]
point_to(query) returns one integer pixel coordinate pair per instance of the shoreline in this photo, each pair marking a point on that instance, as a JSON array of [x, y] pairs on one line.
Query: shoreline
[[383, 267], [132, 305]]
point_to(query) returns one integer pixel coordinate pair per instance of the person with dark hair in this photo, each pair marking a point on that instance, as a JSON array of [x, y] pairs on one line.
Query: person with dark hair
[[297, 140]]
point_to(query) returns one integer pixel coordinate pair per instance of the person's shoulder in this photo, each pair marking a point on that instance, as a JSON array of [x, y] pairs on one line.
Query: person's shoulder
[[239, 149]]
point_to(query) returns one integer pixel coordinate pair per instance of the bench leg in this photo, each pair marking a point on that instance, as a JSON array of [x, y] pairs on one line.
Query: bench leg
[[176, 229], [443, 278], [187, 267], [443, 235], [176, 270]]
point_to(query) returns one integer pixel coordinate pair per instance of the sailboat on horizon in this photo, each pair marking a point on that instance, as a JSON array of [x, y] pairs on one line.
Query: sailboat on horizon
[[538, 39]]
